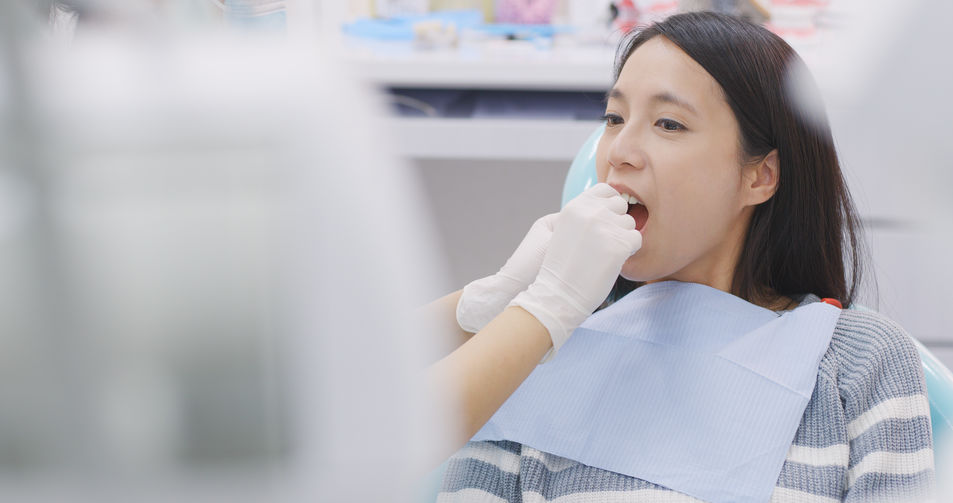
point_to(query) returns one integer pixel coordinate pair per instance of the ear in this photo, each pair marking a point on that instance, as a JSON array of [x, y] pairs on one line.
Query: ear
[[761, 179]]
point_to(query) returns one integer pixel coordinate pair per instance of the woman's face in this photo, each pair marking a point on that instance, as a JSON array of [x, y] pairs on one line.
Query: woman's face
[[672, 141]]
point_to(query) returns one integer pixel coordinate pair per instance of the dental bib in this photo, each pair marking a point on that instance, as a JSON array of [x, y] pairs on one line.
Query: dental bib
[[678, 384]]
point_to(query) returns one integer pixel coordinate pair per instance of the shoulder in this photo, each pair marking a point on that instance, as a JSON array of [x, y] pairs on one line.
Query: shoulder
[[869, 330], [879, 379], [862, 332], [875, 361], [866, 340]]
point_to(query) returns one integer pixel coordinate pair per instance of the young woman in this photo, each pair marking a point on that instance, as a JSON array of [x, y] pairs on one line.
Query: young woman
[[741, 193]]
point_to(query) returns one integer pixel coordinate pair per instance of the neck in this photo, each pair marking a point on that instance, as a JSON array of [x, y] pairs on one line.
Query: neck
[[717, 268]]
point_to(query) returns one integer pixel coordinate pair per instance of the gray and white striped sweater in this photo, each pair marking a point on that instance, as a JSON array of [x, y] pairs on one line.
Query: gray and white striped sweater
[[864, 437]]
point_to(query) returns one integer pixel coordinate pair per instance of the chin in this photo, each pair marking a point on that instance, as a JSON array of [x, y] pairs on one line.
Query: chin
[[638, 268], [632, 271]]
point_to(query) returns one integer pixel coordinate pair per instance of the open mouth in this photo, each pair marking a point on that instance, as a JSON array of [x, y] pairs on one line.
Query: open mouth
[[638, 211]]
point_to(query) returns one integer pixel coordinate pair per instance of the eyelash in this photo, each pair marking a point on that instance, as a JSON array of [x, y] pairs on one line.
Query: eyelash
[[615, 120], [678, 125], [612, 119]]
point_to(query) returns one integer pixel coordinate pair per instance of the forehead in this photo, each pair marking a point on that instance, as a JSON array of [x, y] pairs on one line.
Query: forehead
[[659, 66]]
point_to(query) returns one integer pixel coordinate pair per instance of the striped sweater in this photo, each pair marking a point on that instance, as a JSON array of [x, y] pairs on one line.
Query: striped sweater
[[864, 437]]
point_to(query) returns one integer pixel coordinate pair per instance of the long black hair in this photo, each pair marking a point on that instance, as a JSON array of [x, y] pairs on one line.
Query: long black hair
[[806, 237]]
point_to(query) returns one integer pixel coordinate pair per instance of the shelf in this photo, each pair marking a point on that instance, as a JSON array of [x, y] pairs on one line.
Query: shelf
[[490, 139], [487, 66]]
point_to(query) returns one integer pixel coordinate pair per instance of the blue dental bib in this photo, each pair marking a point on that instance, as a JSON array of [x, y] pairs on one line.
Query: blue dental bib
[[678, 384]]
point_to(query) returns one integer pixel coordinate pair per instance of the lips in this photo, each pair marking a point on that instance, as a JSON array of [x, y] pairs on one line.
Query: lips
[[637, 209]]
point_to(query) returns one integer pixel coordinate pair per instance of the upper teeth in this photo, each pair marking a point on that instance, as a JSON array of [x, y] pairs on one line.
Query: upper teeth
[[631, 199]]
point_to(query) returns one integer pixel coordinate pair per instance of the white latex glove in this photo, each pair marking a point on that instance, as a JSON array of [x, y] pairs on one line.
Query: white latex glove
[[485, 298], [593, 236]]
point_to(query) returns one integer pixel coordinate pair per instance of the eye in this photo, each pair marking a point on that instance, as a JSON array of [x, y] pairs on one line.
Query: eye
[[612, 119], [670, 125]]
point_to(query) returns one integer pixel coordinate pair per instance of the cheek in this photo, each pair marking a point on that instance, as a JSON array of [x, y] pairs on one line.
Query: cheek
[[696, 226], [702, 203], [698, 197], [602, 163], [702, 176]]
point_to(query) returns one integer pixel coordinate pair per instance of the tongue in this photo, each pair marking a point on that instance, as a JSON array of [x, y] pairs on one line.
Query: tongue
[[640, 214]]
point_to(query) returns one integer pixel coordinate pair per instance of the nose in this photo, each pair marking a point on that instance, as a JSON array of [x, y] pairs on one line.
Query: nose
[[625, 150]]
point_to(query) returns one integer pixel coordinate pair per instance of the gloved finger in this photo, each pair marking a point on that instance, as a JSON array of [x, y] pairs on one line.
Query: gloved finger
[[547, 222], [634, 238], [625, 221], [542, 233], [616, 204], [601, 190]]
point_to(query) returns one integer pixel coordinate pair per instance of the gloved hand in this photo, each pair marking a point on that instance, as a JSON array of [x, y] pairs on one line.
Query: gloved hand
[[593, 236], [485, 298]]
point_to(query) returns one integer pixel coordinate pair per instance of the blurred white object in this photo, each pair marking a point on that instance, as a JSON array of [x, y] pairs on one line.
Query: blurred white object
[[886, 78], [590, 19], [252, 7], [651, 11], [256, 14], [202, 296], [435, 34], [389, 8], [944, 479]]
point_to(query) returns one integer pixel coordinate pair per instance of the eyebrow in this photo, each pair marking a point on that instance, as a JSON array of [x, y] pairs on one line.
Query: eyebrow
[[663, 97]]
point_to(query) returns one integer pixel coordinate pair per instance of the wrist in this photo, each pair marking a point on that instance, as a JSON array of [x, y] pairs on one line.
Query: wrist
[[560, 316], [540, 331]]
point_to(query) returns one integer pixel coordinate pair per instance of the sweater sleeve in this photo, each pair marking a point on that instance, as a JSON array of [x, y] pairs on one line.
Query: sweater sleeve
[[888, 415]]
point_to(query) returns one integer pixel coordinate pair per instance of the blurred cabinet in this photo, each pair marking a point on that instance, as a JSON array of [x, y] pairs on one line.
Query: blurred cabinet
[[516, 67]]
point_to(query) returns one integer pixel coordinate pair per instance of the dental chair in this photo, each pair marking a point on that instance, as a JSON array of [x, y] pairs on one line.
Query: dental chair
[[939, 379]]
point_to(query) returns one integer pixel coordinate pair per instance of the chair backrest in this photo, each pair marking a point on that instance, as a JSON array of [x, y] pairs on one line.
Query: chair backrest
[[939, 379], [940, 390], [582, 172]]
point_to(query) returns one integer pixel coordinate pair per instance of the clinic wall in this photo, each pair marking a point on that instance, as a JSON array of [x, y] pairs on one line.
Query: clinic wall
[[482, 209]]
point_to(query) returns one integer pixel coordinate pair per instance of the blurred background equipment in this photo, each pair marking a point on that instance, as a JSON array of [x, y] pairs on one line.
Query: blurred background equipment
[[201, 299]]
